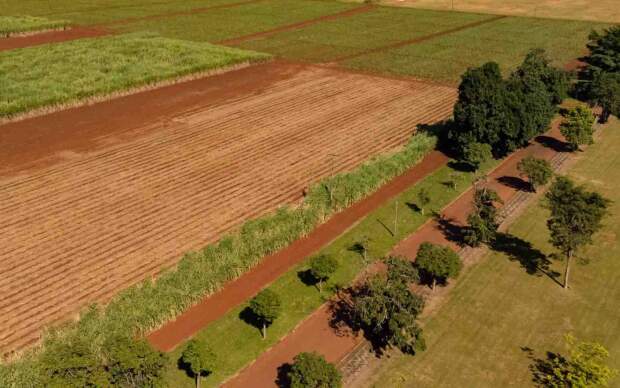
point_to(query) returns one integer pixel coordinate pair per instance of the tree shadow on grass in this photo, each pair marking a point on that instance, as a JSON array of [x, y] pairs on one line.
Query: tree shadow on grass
[[543, 368], [248, 316], [306, 277], [553, 143], [515, 183], [414, 208], [532, 260]]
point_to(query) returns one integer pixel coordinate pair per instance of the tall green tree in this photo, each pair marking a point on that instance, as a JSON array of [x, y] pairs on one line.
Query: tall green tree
[[585, 366], [578, 126], [474, 154], [322, 267], [266, 306], [482, 222], [387, 311], [401, 270], [198, 358], [576, 215], [438, 262], [537, 171], [603, 57], [606, 94], [311, 370], [133, 362]]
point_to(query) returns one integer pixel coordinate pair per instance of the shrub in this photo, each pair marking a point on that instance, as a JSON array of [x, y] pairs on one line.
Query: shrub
[[310, 370], [537, 171]]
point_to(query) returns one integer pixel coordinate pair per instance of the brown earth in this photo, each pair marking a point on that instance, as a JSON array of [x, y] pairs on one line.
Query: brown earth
[[55, 36], [315, 333], [97, 198], [272, 267]]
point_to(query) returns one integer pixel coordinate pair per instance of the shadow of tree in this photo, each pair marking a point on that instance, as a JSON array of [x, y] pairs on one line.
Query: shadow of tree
[[451, 231], [248, 316], [553, 143], [515, 183], [531, 259], [306, 277], [440, 130], [413, 207], [542, 369], [282, 380]]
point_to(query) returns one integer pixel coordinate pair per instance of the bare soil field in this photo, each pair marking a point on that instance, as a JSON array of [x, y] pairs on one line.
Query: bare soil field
[[83, 219], [604, 10]]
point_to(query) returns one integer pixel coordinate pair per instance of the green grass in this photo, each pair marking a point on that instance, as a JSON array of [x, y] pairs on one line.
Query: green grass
[[238, 343], [497, 309], [226, 23], [62, 73], [19, 24], [504, 41]]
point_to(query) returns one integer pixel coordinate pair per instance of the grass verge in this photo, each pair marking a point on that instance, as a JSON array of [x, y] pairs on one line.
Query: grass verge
[[238, 343], [10, 25], [66, 73], [499, 316]]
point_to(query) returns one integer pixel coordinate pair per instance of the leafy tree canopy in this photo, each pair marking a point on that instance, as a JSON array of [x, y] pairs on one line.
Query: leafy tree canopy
[[438, 262], [401, 270], [604, 54], [133, 362], [322, 267], [474, 154], [198, 358], [577, 126], [537, 171], [310, 370], [606, 94]]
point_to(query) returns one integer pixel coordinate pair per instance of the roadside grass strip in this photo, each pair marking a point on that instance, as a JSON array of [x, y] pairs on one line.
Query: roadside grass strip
[[15, 25], [66, 73], [239, 343], [499, 317]]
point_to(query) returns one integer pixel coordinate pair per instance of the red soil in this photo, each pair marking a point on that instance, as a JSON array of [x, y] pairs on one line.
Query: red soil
[[273, 266], [73, 33], [315, 334], [97, 198]]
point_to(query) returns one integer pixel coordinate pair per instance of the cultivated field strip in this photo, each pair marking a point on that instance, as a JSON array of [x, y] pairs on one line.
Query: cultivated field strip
[[83, 229]]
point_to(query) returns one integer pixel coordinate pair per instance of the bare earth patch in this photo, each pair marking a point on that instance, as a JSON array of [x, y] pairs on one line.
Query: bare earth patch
[[78, 229]]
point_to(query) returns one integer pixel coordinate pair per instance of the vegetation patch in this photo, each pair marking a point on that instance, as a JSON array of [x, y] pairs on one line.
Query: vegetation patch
[[10, 25], [66, 73]]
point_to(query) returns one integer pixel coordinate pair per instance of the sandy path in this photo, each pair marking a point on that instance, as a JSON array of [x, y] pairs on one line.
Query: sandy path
[[58, 36], [315, 334], [124, 199]]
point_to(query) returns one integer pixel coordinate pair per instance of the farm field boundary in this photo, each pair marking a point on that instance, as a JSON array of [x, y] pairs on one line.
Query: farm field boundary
[[22, 25], [208, 149], [50, 36]]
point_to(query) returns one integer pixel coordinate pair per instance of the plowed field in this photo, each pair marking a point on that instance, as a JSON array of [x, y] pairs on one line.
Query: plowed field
[[82, 228]]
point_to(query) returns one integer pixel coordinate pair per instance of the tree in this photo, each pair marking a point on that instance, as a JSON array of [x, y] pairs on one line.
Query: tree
[[475, 154], [606, 93], [401, 270], [198, 358], [424, 199], [266, 307], [604, 57], [72, 363], [387, 311], [322, 267], [482, 221], [537, 171], [133, 362], [576, 214], [584, 367], [577, 126], [310, 370], [437, 262]]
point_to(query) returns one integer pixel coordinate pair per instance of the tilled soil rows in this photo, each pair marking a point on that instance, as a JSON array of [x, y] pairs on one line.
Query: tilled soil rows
[[82, 228]]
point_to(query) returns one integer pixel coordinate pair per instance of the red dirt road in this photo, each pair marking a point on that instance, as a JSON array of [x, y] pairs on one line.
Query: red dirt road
[[73, 33], [315, 334], [273, 266], [95, 199]]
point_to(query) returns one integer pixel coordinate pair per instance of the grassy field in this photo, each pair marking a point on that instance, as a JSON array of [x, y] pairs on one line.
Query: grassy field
[[300, 300], [21, 24], [226, 23], [62, 73], [442, 58], [497, 311], [602, 10]]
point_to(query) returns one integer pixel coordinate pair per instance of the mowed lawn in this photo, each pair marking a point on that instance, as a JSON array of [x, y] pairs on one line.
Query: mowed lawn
[[366, 41], [48, 75], [497, 311]]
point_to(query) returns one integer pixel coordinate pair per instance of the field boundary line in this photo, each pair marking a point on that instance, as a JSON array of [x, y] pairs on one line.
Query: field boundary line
[[127, 92], [58, 35], [298, 25], [419, 39]]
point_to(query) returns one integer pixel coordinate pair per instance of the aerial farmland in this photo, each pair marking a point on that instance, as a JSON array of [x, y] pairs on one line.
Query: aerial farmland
[[168, 166]]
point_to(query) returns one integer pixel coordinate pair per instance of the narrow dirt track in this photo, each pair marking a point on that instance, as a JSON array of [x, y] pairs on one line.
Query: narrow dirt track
[[316, 334], [76, 32], [159, 173], [273, 266]]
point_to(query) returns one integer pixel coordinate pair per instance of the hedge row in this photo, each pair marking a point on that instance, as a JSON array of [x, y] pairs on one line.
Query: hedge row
[[148, 305]]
